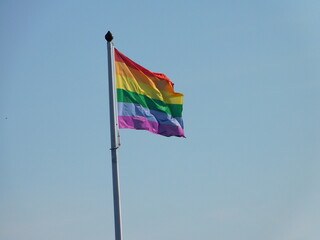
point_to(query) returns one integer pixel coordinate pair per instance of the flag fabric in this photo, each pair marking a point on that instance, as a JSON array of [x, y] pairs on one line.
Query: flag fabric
[[147, 100]]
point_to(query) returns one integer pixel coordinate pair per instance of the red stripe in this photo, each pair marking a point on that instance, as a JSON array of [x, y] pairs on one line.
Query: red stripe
[[119, 57]]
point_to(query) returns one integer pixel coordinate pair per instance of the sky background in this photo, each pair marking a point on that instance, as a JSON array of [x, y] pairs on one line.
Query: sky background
[[249, 167]]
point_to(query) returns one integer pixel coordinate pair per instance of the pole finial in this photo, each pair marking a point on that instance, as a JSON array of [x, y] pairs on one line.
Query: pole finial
[[108, 36]]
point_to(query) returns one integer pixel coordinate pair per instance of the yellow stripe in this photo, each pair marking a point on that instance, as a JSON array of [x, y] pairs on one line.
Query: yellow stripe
[[135, 81], [123, 69], [131, 84]]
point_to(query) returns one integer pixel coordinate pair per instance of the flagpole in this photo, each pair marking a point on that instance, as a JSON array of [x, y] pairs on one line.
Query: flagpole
[[114, 140]]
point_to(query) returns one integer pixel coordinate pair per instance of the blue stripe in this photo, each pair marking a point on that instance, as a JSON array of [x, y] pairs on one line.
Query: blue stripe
[[136, 110]]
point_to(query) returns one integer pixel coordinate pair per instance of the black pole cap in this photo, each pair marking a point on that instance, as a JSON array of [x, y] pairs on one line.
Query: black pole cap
[[108, 36]]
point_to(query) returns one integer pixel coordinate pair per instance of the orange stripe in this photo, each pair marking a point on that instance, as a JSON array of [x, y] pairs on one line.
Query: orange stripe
[[119, 57]]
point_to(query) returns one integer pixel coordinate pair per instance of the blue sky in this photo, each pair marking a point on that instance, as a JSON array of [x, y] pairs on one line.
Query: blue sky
[[249, 167]]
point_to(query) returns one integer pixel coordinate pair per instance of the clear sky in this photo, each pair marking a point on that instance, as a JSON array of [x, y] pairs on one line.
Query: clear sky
[[249, 167]]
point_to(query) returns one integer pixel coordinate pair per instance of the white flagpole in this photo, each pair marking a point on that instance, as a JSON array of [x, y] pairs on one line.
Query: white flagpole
[[114, 141]]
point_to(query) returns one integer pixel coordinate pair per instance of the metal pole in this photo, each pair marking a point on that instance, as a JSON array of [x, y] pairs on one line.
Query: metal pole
[[114, 143]]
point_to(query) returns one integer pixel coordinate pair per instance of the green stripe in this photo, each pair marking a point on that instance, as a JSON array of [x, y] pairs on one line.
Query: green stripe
[[174, 110]]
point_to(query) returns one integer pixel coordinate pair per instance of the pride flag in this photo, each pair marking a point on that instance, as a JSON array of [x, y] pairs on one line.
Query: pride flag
[[147, 100]]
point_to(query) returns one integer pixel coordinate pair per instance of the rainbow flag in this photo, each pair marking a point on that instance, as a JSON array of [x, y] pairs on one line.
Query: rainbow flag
[[147, 100]]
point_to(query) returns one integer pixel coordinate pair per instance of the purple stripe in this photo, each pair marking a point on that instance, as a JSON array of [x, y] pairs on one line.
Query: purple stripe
[[141, 123]]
